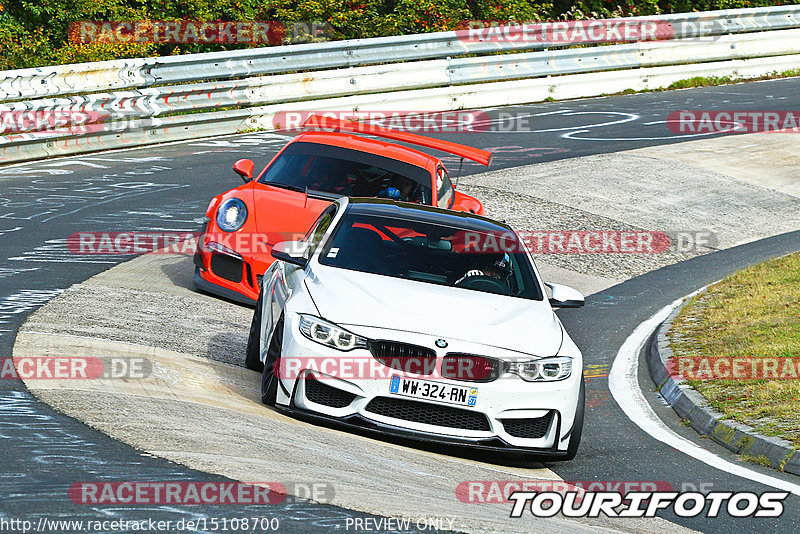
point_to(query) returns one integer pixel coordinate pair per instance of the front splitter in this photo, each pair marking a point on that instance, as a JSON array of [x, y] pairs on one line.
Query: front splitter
[[358, 422]]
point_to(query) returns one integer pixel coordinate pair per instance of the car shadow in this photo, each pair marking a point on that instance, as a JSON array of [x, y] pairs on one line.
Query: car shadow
[[228, 347], [180, 272]]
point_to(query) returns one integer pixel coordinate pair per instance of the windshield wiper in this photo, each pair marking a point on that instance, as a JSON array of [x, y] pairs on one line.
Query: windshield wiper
[[287, 186], [310, 192]]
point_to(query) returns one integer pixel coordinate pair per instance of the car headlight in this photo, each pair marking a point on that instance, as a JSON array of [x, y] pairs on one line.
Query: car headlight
[[329, 334], [543, 370], [231, 215]]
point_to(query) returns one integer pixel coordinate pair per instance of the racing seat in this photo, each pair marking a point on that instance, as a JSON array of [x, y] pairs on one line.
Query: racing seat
[[366, 253]]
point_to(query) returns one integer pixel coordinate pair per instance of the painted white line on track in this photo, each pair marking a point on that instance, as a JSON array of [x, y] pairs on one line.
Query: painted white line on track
[[572, 135], [624, 385], [552, 112], [627, 117], [102, 155], [75, 162]]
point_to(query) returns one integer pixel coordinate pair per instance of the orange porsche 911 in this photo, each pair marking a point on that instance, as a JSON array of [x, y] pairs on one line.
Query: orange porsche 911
[[312, 170]]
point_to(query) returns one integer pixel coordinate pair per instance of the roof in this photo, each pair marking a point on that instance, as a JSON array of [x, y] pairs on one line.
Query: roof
[[423, 213]]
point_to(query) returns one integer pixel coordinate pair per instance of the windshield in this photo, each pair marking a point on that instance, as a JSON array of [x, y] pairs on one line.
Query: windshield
[[345, 172], [435, 253]]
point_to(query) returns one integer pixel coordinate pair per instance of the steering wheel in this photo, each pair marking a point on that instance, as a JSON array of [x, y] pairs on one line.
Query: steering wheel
[[484, 283], [379, 178]]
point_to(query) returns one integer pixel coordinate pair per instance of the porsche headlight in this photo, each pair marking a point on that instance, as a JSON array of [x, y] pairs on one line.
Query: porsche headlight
[[329, 334], [543, 370], [231, 215]]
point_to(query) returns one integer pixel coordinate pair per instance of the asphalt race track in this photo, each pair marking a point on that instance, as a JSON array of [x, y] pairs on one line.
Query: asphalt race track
[[166, 188]]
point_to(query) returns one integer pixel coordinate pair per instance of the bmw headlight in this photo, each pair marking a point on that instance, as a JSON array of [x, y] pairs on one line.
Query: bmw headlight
[[231, 215], [543, 370], [329, 334]]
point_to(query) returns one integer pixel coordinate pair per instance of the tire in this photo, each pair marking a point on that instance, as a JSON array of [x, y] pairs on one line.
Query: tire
[[574, 438], [269, 382], [252, 358], [577, 428]]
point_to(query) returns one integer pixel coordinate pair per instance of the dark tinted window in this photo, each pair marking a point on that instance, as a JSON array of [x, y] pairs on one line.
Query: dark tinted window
[[345, 172], [445, 189], [481, 259]]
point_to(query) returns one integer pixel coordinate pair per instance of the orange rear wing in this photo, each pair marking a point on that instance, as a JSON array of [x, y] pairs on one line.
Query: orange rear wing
[[475, 154]]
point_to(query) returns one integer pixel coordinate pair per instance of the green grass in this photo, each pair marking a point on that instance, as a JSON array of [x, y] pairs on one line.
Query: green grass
[[701, 81], [251, 130], [709, 81], [752, 313], [760, 460], [788, 457]]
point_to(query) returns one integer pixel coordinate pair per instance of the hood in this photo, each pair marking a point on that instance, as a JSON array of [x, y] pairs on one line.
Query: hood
[[355, 298], [284, 215]]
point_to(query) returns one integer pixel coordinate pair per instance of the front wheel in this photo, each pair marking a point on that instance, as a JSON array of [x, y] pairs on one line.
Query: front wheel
[[575, 436], [269, 380], [577, 426]]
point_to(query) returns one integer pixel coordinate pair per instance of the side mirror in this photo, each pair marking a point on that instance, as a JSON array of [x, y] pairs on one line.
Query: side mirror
[[292, 252], [565, 297], [244, 168]]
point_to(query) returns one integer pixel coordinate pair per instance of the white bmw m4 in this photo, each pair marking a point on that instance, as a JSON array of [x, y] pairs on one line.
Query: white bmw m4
[[419, 322]]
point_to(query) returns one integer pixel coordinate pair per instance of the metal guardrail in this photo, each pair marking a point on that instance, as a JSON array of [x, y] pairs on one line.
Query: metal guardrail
[[262, 90], [718, 42], [435, 45], [146, 72]]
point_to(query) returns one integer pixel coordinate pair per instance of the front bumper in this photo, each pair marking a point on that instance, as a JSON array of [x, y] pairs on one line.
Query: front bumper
[[220, 291], [357, 422], [507, 407]]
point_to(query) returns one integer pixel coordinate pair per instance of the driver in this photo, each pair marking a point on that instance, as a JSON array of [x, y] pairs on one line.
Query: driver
[[494, 266], [404, 185]]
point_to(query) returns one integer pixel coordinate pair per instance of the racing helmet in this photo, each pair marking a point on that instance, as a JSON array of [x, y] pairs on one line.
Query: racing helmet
[[502, 264]]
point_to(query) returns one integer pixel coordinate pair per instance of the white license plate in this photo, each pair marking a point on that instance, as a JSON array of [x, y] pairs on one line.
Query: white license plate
[[428, 389]]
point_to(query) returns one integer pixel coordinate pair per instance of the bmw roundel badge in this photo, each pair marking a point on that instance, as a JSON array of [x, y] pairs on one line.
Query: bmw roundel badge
[[441, 343]]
